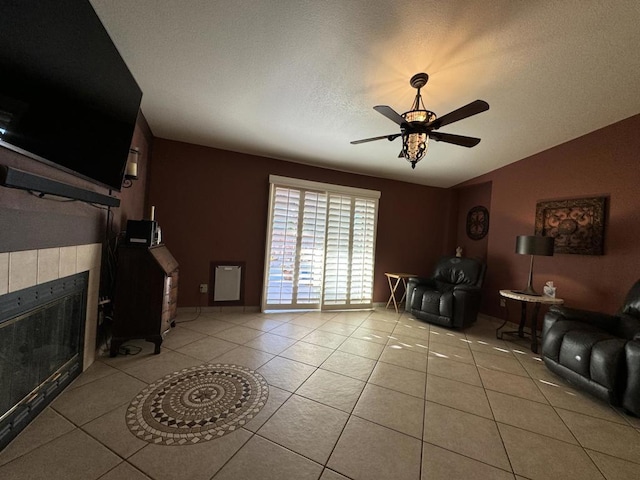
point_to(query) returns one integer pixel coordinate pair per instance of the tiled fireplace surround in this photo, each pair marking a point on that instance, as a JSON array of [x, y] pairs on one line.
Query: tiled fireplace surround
[[27, 268]]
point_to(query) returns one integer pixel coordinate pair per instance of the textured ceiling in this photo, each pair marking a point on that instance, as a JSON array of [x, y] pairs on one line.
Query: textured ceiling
[[297, 80]]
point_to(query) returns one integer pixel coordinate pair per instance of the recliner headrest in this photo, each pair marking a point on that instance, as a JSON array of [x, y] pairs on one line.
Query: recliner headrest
[[458, 271]]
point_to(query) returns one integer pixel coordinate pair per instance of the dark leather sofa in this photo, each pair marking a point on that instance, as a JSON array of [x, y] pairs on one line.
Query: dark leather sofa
[[451, 296], [597, 352]]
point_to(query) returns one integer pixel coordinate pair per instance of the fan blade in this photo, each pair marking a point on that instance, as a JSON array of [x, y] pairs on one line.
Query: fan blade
[[461, 113], [391, 137], [390, 113], [455, 139]]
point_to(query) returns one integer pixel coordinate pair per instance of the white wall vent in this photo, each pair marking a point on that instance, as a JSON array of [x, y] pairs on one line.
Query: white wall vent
[[227, 283]]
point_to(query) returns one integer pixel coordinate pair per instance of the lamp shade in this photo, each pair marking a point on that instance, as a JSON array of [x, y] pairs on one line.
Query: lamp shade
[[534, 245], [415, 144]]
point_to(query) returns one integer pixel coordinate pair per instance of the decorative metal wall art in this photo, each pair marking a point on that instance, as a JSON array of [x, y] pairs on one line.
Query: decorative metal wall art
[[577, 225], [477, 223]]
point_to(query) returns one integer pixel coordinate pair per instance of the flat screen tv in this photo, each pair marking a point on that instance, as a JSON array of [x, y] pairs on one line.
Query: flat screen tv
[[67, 97]]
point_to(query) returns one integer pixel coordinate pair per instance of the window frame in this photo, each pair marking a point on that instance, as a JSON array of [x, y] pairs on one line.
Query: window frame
[[276, 181]]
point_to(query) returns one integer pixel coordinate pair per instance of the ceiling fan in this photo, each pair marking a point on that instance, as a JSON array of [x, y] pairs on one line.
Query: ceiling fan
[[419, 124]]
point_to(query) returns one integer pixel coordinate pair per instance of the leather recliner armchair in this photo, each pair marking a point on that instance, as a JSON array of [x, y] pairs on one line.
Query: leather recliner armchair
[[597, 352], [451, 297]]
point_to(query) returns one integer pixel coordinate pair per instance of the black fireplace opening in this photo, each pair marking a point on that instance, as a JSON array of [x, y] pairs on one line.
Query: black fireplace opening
[[41, 348]]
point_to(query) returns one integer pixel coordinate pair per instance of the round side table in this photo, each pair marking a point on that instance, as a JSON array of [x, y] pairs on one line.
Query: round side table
[[524, 299]]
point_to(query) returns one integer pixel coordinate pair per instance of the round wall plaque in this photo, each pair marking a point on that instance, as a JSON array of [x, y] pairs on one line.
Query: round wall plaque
[[477, 223]]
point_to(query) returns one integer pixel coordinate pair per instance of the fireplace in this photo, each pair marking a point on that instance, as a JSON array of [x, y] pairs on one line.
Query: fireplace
[[42, 331]]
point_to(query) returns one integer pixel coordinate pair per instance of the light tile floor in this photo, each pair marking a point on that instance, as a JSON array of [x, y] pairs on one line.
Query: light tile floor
[[361, 395]]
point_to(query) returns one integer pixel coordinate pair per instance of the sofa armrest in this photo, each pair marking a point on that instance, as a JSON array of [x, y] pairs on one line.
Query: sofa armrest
[[606, 322], [467, 288], [628, 327], [560, 320], [415, 281], [631, 395], [468, 294], [466, 304]]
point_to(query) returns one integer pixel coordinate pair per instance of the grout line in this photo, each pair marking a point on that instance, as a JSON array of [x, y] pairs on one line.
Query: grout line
[[474, 459], [502, 442], [350, 414], [423, 417], [75, 427], [252, 434]]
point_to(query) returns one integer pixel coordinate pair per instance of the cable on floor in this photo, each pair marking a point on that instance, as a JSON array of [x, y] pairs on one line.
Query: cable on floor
[[199, 311]]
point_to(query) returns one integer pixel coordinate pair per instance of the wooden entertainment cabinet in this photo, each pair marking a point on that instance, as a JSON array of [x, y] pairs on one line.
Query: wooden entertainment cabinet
[[146, 295]]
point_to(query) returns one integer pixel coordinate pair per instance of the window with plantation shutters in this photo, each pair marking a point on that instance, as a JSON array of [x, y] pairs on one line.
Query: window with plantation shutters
[[320, 246]]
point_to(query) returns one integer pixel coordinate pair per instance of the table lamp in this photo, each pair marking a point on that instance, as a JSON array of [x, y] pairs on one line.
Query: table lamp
[[533, 245]]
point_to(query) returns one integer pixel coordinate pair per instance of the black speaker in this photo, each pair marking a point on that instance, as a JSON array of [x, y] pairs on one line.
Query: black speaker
[[141, 232], [14, 178]]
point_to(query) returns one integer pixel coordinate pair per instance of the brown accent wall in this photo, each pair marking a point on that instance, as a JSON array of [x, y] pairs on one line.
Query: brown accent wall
[[212, 205], [469, 197], [133, 204], [604, 162], [28, 222]]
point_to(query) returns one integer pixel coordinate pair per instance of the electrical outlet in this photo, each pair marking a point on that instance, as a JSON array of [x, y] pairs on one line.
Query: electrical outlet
[[503, 302], [204, 288]]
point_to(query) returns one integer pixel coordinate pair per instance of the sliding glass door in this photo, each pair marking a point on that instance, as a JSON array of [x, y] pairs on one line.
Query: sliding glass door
[[295, 248], [320, 246], [349, 252]]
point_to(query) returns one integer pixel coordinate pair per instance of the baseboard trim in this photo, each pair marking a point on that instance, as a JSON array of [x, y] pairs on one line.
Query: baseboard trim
[[223, 309]]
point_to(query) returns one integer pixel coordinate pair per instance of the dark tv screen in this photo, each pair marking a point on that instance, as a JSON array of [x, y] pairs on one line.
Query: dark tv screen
[[66, 96]]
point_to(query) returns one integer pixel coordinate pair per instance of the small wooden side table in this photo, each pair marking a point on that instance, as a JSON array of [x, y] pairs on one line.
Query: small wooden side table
[[524, 299], [393, 287]]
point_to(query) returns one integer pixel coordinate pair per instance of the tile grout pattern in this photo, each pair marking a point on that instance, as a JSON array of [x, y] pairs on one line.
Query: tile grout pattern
[[353, 395]]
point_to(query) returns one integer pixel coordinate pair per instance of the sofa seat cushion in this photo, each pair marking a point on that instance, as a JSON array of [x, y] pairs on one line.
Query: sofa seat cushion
[[431, 302], [607, 362], [553, 339], [587, 351], [437, 303], [592, 354], [575, 352]]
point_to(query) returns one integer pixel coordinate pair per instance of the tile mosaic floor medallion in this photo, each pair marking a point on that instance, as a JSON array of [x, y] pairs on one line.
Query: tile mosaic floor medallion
[[197, 404]]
